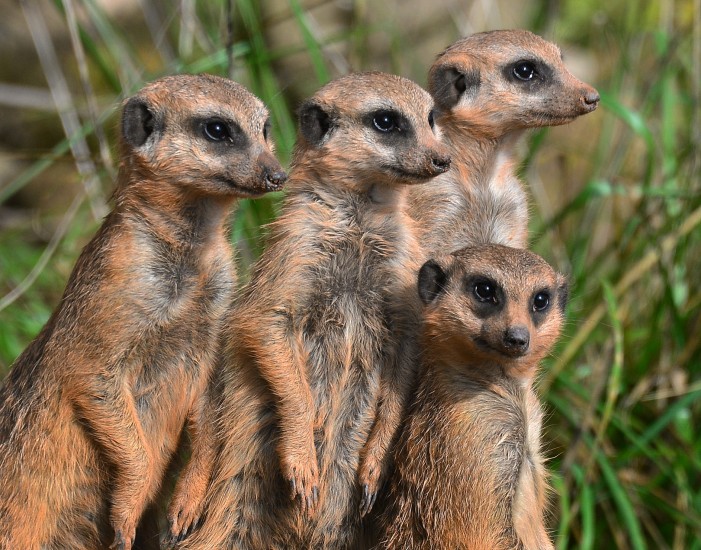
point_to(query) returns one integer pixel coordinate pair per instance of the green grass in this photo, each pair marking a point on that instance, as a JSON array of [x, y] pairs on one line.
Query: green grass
[[623, 388]]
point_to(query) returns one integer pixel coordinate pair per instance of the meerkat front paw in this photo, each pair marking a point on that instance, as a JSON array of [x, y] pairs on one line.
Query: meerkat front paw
[[123, 538], [183, 518], [369, 477], [302, 472], [126, 512]]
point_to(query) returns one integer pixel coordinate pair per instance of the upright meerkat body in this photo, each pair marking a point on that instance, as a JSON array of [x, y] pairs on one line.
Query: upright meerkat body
[[92, 411], [489, 88], [468, 469], [314, 366]]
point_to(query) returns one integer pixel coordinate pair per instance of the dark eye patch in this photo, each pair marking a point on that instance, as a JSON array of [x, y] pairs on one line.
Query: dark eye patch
[[541, 301], [387, 121], [390, 125], [530, 73], [525, 70], [218, 130], [487, 296], [485, 290]]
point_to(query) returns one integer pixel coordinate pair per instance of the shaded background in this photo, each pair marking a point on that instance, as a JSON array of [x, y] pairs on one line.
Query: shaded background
[[615, 196]]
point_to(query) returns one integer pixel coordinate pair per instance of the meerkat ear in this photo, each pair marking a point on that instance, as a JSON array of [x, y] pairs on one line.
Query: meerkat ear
[[448, 83], [138, 122], [563, 292], [432, 281], [314, 122]]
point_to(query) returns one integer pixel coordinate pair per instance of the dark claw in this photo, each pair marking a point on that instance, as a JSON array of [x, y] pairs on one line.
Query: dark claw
[[363, 500], [186, 532], [293, 486], [119, 541], [368, 501], [373, 498], [315, 494]]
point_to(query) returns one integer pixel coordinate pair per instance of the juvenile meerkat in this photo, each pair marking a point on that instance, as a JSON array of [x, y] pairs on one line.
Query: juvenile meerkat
[[316, 368], [92, 410], [468, 468], [489, 88]]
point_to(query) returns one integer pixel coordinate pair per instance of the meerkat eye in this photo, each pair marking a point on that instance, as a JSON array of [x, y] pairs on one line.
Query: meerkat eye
[[385, 121], [524, 70], [485, 291], [431, 121], [541, 301], [216, 130]]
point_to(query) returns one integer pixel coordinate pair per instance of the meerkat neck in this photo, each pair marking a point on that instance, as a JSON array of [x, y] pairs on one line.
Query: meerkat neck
[[387, 196], [464, 369], [348, 189], [480, 147], [173, 214]]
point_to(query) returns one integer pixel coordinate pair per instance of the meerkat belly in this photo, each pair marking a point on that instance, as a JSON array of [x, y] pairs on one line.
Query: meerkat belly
[[344, 370], [172, 361], [346, 338]]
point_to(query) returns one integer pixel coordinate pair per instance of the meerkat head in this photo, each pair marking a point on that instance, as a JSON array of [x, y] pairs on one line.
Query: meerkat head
[[508, 79], [203, 133], [371, 127], [492, 305]]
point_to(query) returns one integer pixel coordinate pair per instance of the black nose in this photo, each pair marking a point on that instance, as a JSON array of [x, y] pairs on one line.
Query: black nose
[[440, 163], [591, 98], [275, 180], [517, 339]]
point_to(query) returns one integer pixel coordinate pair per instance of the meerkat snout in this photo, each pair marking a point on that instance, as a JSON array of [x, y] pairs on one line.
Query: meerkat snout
[[590, 98], [441, 163], [272, 175], [516, 340]]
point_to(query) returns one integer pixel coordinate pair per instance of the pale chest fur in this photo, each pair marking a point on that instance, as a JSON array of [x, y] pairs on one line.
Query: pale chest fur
[[501, 419], [173, 298], [348, 323], [474, 203], [171, 281]]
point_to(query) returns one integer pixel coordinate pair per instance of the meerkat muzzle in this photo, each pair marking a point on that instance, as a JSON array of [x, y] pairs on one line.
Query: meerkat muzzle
[[271, 176], [590, 99], [275, 180], [441, 163]]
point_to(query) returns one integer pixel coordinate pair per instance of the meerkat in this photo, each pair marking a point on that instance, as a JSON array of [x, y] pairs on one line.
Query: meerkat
[[489, 88], [92, 410], [316, 369], [468, 470]]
